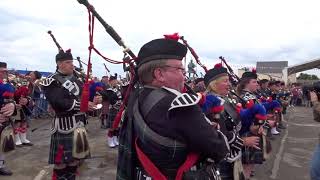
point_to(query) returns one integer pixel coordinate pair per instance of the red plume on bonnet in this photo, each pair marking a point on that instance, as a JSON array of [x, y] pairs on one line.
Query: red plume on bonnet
[[174, 36], [219, 65], [254, 70]]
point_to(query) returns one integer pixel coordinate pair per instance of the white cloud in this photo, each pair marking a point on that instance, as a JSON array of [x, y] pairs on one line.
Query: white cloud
[[242, 31]]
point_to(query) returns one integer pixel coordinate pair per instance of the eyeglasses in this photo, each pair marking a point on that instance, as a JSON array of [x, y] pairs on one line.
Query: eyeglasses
[[182, 69]]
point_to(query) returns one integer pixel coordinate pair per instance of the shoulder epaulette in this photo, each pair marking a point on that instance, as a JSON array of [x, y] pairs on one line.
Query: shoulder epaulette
[[47, 81], [184, 100], [247, 96]]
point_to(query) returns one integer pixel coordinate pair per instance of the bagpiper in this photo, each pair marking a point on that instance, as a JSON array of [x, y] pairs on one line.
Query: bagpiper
[[69, 142]]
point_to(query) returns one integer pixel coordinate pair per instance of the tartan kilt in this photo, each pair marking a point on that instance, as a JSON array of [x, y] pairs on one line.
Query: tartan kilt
[[111, 115], [251, 155], [67, 141]]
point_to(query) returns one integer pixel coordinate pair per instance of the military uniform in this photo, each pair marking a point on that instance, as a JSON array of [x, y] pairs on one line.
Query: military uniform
[[112, 138], [105, 108], [264, 93], [69, 140], [114, 106], [109, 97], [111, 101], [23, 114], [250, 154], [180, 135], [232, 121], [281, 97], [6, 128], [263, 96], [230, 125], [164, 127]]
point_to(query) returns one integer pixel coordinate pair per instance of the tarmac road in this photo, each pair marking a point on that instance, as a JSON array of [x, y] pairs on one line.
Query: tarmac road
[[290, 158], [292, 151]]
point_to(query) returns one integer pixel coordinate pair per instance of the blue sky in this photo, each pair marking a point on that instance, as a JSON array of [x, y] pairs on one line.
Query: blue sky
[[242, 31]]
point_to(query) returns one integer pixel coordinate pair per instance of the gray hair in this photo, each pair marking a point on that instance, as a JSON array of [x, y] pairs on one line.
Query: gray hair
[[146, 70]]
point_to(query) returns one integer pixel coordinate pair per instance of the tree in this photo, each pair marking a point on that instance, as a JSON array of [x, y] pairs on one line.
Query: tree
[[304, 76]]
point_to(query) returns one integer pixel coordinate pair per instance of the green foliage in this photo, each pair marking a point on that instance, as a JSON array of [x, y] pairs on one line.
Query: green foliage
[[304, 76]]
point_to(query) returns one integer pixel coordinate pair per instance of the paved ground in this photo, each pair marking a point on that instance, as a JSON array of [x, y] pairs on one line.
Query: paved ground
[[29, 163], [292, 152], [289, 160]]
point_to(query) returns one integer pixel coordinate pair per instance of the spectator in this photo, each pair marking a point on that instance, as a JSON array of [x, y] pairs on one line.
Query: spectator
[[315, 162], [295, 95], [35, 92]]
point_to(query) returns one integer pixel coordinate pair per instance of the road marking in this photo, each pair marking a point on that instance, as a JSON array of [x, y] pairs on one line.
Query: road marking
[[276, 163], [302, 139], [305, 125], [40, 175]]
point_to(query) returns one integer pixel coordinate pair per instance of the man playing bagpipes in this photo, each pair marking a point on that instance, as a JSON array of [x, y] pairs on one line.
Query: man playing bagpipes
[[275, 87], [272, 107], [69, 142], [264, 90], [112, 135], [110, 98], [23, 101], [105, 104], [7, 110], [252, 123], [284, 95], [164, 132]]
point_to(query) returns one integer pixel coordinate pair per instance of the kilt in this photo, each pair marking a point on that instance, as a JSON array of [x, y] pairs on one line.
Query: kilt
[[67, 141], [251, 155], [111, 115]]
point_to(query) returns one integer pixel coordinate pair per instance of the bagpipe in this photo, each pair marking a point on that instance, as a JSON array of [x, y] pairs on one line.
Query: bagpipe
[[128, 60], [130, 63], [77, 71], [234, 78], [6, 130], [23, 92], [85, 78], [246, 109], [106, 68], [213, 104]]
